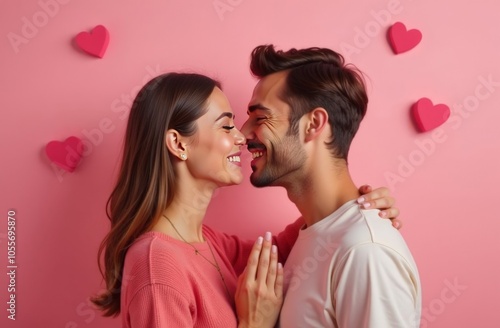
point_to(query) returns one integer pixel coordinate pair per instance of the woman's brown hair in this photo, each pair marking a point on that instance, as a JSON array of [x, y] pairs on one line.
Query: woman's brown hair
[[146, 180]]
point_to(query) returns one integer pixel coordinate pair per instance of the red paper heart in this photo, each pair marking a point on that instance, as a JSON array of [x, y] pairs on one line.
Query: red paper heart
[[66, 154], [94, 43], [402, 40], [428, 116]]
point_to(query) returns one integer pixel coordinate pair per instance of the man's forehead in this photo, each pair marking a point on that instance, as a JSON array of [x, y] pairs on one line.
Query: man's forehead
[[271, 85]]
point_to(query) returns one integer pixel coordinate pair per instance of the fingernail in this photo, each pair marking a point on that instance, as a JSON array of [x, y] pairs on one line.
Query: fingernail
[[366, 205], [280, 266], [267, 236], [274, 249], [383, 214], [259, 241], [361, 200]]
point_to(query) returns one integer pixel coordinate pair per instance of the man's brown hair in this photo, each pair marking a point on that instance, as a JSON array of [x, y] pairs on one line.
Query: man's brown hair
[[317, 77]]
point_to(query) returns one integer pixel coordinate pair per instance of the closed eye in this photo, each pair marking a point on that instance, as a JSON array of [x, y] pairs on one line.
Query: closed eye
[[227, 127]]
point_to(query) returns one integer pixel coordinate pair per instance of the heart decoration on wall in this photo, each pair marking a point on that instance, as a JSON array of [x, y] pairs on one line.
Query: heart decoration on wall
[[67, 154], [425, 114], [402, 40], [428, 116], [94, 43]]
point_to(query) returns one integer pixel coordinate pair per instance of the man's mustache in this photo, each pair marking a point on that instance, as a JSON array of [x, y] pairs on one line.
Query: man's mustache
[[255, 145]]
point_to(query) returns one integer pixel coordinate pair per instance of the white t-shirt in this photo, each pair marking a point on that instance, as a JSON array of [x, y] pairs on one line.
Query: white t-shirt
[[351, 270]]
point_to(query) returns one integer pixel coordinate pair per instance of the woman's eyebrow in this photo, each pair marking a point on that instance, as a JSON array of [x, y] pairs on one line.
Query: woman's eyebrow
[[226, 114]]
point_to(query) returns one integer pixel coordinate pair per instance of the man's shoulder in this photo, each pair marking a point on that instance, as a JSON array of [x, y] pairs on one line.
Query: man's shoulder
[[367, 228], [370, 240]]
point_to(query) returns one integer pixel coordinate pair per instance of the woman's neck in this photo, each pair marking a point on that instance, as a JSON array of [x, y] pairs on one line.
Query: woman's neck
[[186, 212]]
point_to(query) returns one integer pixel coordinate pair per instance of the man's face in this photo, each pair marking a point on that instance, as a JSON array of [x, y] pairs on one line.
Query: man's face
[[277, 154]]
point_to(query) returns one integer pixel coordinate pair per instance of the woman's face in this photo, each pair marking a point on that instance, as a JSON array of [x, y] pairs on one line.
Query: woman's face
[[214, 153]]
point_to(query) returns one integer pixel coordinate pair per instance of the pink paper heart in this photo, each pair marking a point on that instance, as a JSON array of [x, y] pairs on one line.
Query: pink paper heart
[[428, 116], [94, 43], [66, 154], [402, 40]]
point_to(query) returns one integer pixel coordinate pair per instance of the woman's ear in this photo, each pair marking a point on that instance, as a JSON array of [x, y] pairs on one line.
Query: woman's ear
[[317, 120], [175, 144]]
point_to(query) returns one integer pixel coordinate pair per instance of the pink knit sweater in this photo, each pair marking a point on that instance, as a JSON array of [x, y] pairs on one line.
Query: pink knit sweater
[[165, 284]]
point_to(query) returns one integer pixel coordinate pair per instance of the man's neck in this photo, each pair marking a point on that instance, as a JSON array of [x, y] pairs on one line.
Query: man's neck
[[322, 192]]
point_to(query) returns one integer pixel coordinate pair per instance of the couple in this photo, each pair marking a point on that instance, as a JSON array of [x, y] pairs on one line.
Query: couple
[[164, 268]]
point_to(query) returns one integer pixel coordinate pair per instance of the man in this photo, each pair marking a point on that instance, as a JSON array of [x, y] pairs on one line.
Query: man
[[346, 269]]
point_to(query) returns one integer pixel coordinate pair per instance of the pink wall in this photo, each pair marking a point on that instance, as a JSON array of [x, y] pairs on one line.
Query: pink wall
[[51, 90]]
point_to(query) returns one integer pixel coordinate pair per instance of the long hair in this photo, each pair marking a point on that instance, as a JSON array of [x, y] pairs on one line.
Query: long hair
[[146, 181], [318, 77]]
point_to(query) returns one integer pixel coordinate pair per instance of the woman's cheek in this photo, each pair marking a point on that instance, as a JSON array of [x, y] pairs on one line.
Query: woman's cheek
[[226, 144]]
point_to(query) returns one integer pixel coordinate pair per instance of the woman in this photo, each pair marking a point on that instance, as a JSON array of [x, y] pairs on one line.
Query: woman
[[163, 267]]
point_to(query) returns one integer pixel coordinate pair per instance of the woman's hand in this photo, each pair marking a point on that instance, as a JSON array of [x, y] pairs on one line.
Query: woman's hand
[[259, 294], [381, 199]]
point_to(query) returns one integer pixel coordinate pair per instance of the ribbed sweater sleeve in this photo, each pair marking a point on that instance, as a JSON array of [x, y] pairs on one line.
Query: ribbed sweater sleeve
[[166, 284], [157, 305]]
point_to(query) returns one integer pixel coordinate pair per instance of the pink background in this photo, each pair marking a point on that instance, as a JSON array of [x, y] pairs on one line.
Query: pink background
[[51, 90]]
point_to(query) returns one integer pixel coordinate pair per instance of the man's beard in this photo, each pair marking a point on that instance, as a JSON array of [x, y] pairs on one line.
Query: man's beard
[[287, 156]]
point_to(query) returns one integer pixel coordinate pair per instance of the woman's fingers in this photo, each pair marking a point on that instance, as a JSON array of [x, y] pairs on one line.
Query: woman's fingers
[[265, 254], [380, 203], [278, 286], [259, 293], [364, 189], [253, 259], [390, 213], [379, 198], [368, 193], [398, 224], [263, 267], [273, 267]]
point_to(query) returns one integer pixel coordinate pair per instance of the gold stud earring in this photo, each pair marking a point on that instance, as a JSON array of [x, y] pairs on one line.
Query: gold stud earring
[[183, 156]]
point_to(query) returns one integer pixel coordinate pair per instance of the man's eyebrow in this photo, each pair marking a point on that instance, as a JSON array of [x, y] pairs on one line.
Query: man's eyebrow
[[253, 108], [225, 114]]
